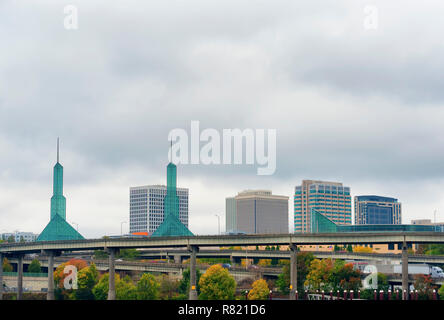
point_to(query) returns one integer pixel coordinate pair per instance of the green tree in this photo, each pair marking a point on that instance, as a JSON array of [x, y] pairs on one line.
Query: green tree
[[303, 263], [260, 290], [147, 287], [217, 284], [128, 254], [100, 254], [125, 289], [100, 290], [7, 267], [184, 284], [349, 248], [168, 288], [87, 278], [441, 292], [35, 266]]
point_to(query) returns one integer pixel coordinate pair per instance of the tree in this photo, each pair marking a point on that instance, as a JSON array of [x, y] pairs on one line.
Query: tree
[[147, 287], [349, 248], [35, 267], [441, 292], [424, 285], [100, 290], [7, 267], [184, 284], [128, 254], [59, 274], [260, 290], [363, 249], [217, 284], [335, 275], [168, 288], [125, 289], [303, 263], [100, 254], [87, 278]]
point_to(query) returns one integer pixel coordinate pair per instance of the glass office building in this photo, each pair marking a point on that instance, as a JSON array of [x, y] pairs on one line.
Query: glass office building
[[322, 224], [332, 199], [377, 210]]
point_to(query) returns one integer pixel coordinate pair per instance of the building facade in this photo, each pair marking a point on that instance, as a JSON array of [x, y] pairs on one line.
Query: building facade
[[147, 207], [257, 212], [19, 236], [230, 215], [439, 226], [377, 210], [332, 199]]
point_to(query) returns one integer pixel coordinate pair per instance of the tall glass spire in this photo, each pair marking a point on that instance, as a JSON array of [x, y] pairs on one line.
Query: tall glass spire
[[58, 201], [58, 228], [171, 225]]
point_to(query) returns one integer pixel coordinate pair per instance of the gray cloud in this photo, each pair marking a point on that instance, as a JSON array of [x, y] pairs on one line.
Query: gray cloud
[[359, 106]]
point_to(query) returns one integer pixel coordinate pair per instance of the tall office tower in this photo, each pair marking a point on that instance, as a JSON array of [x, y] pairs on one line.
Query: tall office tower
[[331, 199], [230, 215], [257, 211], [147, 207], [377, 210], [151, 206]]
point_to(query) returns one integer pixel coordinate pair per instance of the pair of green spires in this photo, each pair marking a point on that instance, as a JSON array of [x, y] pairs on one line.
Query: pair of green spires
[[59, 229]]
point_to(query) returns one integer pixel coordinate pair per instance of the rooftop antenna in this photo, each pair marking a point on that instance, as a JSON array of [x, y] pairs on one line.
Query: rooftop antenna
[[58, 149], [171, 150]]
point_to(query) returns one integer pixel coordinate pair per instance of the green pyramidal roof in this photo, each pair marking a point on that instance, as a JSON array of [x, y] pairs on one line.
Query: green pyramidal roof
[[59, 229], [171, 227]]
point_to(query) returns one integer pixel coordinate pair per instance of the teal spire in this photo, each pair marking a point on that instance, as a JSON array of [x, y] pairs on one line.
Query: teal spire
[[58, 201], [58, 228], [171, 225]]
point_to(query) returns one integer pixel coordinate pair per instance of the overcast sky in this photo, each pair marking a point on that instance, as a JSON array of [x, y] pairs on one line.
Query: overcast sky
[[360, 106]]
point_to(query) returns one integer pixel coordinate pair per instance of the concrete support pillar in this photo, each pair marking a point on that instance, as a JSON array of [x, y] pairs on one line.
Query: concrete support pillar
[[50, 295], [405, 271], [20, 277], [112, 275], [1, 276], [293, 271], [193, 290], [177, 258]]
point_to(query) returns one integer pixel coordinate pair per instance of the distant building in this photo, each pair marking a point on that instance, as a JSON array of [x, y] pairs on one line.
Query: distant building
[[257, 211], [147, 207], [377, 210], [332, 199], [439, 226], [230, 215], [322, 224], [19, 236]]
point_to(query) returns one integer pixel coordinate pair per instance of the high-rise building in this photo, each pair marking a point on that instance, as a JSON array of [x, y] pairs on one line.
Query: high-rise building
[[257, 211], [331, 199], [377, 210], [147, 207], [230, 215]]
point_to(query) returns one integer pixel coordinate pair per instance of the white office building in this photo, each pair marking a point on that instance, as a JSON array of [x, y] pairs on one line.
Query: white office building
[[147, 207], [18, 236]]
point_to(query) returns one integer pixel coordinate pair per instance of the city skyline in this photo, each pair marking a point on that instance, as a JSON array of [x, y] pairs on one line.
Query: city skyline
[[363, 107]]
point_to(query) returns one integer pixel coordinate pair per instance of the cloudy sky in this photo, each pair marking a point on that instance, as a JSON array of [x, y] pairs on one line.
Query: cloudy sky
[[361, 106]]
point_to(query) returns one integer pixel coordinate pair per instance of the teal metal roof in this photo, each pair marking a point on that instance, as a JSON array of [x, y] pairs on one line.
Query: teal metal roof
[[59, 229]]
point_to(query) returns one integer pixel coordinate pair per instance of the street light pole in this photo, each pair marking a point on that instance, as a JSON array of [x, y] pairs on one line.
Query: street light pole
[[218, 224], [121, 225]]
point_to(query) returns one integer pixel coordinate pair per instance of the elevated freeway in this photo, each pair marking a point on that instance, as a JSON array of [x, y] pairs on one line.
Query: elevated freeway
[[192, 244]]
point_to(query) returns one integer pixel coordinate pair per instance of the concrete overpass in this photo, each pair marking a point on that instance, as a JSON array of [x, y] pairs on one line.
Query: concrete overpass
[[270, 254], [54, 248]]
